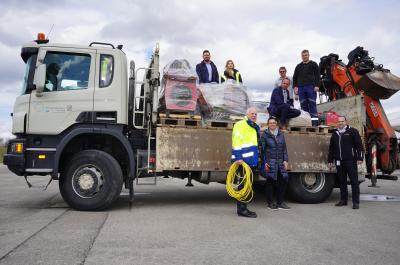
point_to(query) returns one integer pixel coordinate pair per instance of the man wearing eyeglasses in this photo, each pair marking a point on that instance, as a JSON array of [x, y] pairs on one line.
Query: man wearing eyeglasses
[[282, 75]]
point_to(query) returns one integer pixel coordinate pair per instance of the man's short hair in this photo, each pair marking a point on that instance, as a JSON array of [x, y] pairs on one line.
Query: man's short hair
[[305, 51], [342, 116], [286, 78], [250, 109], [282, 68], [206, 51]]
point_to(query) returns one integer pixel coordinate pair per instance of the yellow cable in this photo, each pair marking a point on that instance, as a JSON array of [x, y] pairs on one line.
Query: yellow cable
[[246, 193]]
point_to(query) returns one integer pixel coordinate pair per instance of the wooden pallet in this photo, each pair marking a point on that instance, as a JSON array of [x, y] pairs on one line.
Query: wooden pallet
[[180, 122], [179, 116], [220, 124], [310, 129]]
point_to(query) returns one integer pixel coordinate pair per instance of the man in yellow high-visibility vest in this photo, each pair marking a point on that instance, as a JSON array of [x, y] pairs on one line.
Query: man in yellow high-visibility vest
[[245, 136]]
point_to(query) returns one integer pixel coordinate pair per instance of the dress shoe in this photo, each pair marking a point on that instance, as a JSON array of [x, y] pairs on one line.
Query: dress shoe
[[341, 203], [247, 213], [272, 206], [283, 206], [356, 206]]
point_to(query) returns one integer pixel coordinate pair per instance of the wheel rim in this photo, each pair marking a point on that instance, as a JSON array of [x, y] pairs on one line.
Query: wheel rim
[[87, 181], [312, 182]]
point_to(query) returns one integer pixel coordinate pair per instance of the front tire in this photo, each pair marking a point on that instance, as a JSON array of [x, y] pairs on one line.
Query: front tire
[[310, 187], [92, 181]]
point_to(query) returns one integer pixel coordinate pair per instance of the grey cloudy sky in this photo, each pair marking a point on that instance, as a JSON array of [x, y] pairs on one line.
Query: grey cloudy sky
[[258, 35]]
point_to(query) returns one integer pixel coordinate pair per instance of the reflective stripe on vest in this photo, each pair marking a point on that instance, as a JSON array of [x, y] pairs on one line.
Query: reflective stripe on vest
[[237, 77], [222, 77]]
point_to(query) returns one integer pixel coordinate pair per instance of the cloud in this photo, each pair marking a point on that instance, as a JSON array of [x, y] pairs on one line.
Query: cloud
[[259, 36]]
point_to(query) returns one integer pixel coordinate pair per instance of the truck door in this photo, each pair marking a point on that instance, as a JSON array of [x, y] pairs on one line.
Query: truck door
[[68, 91], [110, 97]]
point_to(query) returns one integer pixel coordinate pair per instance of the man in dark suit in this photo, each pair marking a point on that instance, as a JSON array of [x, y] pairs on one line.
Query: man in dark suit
[[206, 70], [281, 105]]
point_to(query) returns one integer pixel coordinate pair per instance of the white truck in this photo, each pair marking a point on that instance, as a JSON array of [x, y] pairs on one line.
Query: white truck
[[79, 120]]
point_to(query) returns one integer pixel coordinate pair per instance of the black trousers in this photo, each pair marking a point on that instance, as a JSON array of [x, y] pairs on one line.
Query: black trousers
[[277, 187], [348, 168], [284, 113], [242, 206]]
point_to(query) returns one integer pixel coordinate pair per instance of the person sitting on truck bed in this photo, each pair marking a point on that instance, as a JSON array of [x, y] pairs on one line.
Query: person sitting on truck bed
[[207, 70], [245, 136], [274, 157], [281, 105]]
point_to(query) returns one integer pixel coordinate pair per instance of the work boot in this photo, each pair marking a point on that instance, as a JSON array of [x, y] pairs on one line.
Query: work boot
[[283, 206], [341, 203], [356, 206], [247, 213]]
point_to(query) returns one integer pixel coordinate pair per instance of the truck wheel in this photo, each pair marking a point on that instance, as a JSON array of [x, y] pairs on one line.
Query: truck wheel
[[91, 181], [310, 187]]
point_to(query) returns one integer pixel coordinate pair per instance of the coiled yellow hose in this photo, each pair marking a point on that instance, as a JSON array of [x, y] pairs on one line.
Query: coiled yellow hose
[[244, 194]]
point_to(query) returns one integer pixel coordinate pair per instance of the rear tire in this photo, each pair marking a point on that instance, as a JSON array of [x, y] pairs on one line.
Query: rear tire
[[92, 181], [310, 187]]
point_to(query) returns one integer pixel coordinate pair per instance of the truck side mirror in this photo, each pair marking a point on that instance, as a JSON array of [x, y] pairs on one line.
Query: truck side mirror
[[40, 79]]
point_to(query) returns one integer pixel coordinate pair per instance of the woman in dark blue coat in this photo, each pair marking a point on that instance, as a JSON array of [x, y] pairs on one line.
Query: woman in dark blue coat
[[274, 164]]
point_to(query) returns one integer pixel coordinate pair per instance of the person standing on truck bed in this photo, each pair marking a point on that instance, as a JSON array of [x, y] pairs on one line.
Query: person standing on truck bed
[[231, 73], [207, 70], [274, 157], [346, 150], [245, 136], [281, 105], [305, 82], [283, 75]]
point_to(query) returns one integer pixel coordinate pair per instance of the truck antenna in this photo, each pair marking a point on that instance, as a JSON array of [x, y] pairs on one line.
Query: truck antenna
[[51, 29]]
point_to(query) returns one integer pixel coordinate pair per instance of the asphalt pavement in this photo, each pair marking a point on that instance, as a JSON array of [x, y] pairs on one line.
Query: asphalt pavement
[[172, 224]]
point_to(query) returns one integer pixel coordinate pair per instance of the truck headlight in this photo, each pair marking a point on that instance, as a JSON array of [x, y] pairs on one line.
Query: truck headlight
[[17, 148]]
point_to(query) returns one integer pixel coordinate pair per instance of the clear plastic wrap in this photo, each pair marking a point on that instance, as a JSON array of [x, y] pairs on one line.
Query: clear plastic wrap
[[178, 90], [223, 102]]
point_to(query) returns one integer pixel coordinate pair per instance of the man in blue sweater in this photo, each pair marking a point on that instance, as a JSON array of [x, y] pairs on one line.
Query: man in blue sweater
[[206, 70], [281, 105]]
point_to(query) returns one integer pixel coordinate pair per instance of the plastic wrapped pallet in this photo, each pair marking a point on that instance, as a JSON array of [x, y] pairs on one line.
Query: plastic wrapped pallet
[[178, 90], [224, 102], [304, 119]]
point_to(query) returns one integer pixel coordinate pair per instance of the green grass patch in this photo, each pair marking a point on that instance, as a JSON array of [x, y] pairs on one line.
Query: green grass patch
[[3, 150]]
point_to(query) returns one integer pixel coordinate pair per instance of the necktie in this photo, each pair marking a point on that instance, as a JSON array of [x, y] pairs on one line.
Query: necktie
[[284, 95]]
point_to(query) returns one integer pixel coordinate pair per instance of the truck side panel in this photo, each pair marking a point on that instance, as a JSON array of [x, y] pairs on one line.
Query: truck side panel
[[193, 149]]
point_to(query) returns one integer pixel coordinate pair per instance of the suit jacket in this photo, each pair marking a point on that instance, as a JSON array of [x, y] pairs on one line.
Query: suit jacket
[[277, 100], [202, 72]]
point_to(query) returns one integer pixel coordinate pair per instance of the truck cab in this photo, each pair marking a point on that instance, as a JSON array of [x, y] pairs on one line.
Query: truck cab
[[73, 98]]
